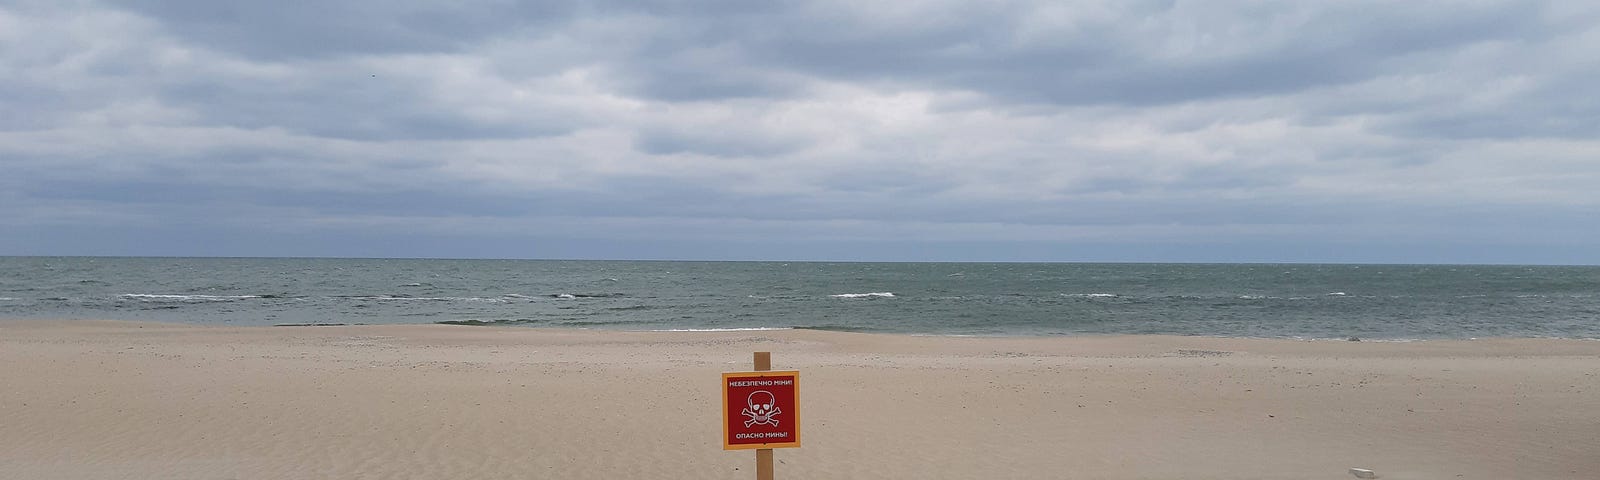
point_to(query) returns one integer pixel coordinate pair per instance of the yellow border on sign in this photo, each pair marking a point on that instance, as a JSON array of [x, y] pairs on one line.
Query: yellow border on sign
[[726, 444]]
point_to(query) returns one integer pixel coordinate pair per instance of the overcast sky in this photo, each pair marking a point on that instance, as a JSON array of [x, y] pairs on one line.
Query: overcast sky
[[1340, 131]]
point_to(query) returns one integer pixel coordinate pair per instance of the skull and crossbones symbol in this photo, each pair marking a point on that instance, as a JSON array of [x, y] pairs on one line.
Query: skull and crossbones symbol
[[761, 406]]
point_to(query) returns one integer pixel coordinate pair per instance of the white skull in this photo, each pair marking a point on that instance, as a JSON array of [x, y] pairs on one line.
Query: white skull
[[762, 401], [761, 406]]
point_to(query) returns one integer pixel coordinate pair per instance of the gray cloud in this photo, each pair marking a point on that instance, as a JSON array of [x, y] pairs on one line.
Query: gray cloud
[[1182, 130], [1036, 52], [669, 142], [300, 29]]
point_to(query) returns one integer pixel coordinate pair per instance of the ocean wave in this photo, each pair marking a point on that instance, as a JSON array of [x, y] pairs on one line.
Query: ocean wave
[[775, 297], [1090, 295], [7, 299], [602, 323], [864, 295], [153, 297], [431, 299], [1338, 294], [1271, 297], [636, 307], [585, 295], [479, 323], [837, 328]]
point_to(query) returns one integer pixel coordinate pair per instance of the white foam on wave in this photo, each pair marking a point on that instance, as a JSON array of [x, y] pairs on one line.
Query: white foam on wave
[[437, 299], [864, 295], [566, 295], [1090, 295], [6, 299], [1338, 294], [186, 298]]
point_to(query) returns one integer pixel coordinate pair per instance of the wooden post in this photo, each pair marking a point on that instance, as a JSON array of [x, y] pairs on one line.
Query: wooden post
[[763, 361]]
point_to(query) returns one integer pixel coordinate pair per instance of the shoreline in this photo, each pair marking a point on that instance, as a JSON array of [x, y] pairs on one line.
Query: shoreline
[[518, 327], [114, 399]]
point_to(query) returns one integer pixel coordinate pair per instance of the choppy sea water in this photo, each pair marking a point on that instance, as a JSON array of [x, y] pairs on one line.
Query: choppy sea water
[[1239, 300]]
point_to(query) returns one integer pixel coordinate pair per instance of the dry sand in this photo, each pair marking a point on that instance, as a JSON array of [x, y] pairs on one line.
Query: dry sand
[[104, 400]]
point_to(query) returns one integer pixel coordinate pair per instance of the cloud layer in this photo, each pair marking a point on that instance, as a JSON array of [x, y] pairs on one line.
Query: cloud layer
[[921, 130]]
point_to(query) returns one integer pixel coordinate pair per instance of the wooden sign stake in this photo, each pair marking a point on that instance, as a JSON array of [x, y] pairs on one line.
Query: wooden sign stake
[[763, 362]]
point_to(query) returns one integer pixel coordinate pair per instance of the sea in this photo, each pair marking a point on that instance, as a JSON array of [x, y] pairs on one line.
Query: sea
[[1302, 301]]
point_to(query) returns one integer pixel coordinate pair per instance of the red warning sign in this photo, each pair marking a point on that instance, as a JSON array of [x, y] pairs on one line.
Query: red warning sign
[[760, 410]]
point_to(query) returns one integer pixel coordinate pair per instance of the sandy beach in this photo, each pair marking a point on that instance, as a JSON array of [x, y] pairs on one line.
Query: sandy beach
[[103, 400]]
